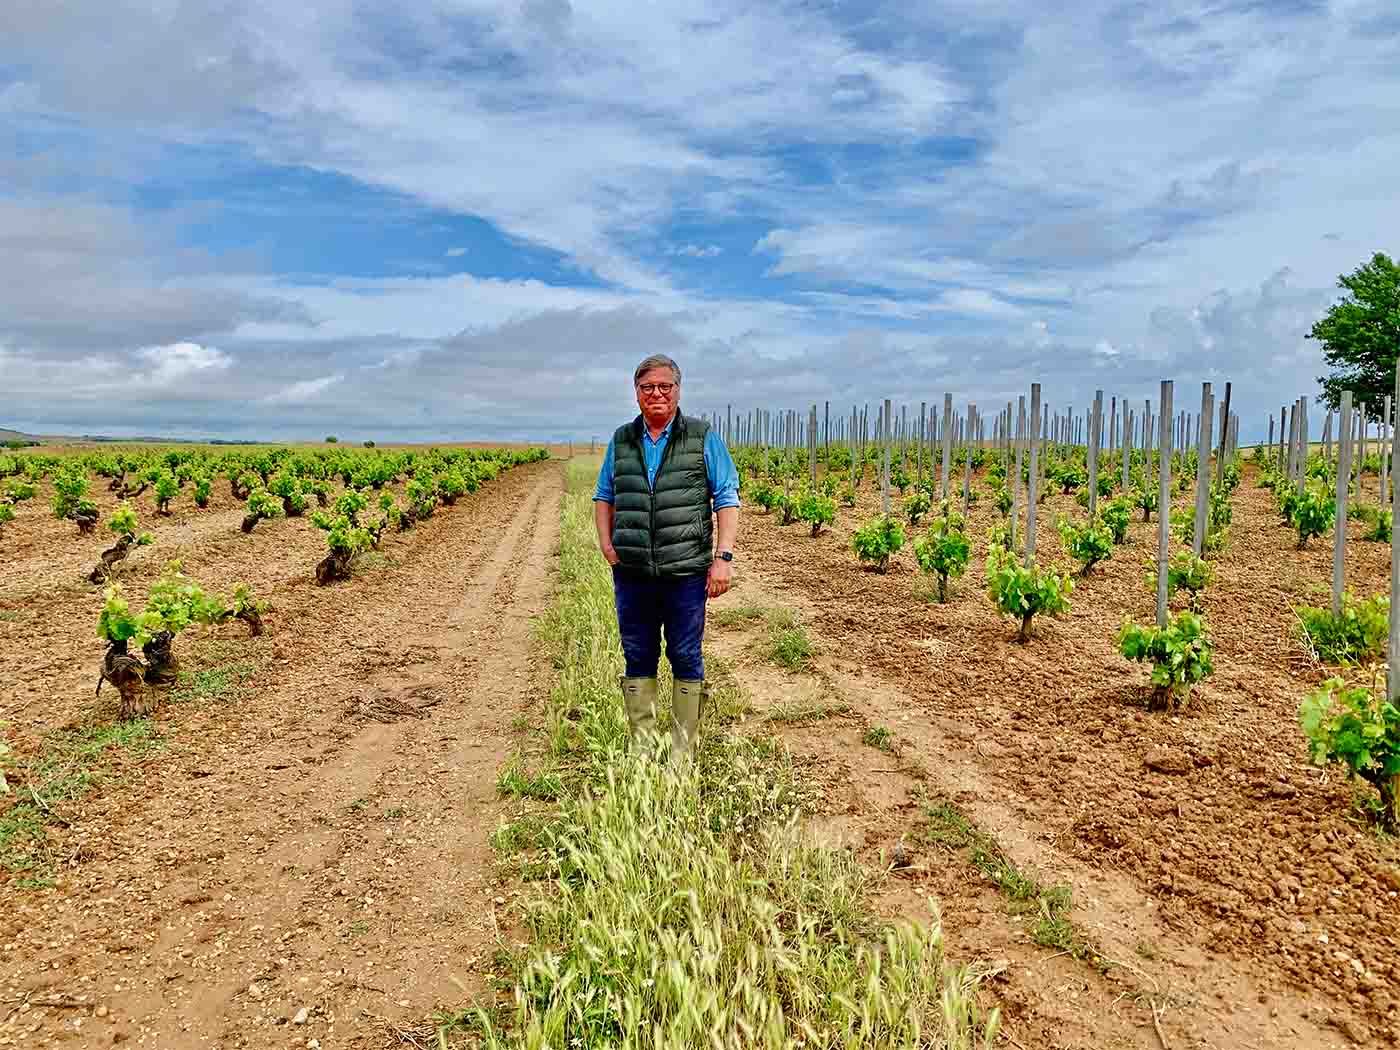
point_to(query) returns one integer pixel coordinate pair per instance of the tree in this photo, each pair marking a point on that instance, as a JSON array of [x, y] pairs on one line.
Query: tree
[[1360, 335]]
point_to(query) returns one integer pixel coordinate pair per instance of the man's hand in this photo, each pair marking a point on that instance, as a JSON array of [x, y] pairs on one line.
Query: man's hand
[[721, 573], [603, 519]]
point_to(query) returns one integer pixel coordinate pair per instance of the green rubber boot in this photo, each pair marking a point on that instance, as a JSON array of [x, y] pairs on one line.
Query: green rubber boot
[[686, 697], [639, 699]]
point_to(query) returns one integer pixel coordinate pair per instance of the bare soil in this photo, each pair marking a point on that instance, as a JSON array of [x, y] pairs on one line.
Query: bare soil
[[1245, 895], [305, 860]]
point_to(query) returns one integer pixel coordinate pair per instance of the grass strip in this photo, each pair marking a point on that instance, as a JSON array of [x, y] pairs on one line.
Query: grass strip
[[71, 762], [800, 710], [224, 683], [686, 909], [948, 826]]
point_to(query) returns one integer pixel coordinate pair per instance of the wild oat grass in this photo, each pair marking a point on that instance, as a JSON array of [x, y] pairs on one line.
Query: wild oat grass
[[687, 909], [798, 710]]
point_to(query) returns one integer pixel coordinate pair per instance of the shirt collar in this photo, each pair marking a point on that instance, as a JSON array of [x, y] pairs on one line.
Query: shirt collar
[[665, 431]]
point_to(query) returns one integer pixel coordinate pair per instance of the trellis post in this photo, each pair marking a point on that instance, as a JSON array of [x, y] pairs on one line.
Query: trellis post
[[1036, 422], [1339, 538], [1203, 470], [1164, 495], [1094, 427]]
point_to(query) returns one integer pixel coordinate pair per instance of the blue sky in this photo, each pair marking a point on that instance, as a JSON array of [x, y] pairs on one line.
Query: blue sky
[[464, 219]]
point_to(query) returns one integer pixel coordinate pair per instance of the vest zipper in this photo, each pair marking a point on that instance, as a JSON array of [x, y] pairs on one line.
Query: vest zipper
[[651, 486]]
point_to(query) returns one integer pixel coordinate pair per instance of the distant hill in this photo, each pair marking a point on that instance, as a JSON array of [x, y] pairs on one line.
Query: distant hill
[[7, 434], [16, 435]]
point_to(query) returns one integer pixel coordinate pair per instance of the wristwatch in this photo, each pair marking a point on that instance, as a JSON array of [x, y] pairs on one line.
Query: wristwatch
[[724, 555]]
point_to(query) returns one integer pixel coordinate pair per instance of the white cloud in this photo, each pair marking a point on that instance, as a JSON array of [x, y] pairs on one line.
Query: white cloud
[[695, 251], [179, 361], [455, 253], [1105, 349], [978, 302], [303, 390]]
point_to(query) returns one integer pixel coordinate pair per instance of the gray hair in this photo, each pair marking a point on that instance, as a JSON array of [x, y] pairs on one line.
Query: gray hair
[[656, 361]]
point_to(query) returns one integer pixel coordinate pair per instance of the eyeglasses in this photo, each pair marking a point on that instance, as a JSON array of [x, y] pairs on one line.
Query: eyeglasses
[[664, 389]]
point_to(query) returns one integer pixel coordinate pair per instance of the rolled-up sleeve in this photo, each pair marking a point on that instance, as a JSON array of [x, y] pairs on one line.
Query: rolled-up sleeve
[[603, 491], [722, 473]]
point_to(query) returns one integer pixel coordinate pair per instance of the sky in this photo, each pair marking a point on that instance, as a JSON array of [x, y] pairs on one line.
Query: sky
[[464, 220]]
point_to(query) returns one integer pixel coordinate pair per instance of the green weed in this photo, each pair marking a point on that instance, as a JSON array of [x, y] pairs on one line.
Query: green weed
[[948, 827], [738, 615], [800, 710], [517, 782], [367, 563], [878, 737], [223, 683], [790, 646], [70, 763], [726, 702], [525, 832]]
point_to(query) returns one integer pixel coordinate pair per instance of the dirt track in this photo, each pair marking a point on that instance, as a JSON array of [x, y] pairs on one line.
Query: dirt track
[[316, 840]]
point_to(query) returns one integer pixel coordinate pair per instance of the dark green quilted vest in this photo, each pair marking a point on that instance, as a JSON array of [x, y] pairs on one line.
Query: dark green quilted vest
[[665, 530]]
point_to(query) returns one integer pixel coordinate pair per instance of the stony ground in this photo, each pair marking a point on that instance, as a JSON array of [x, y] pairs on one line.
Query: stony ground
[[300, 858]]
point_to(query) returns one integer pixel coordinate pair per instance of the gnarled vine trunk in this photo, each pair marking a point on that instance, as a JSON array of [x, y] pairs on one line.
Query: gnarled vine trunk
[[1389, 788], [86, 520], [161, 665], [133, 493], [110, 557], [334, 566], [124, 671], [253, 619], [1024, 635], [249, 520]]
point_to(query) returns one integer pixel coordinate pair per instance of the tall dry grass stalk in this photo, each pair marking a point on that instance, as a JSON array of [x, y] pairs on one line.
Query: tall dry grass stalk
[[688, 909]]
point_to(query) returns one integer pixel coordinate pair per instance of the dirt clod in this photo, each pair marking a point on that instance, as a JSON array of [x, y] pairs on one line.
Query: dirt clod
[[1166, 760]]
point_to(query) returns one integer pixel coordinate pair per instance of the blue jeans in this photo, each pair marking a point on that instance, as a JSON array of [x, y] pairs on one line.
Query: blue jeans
[[648, 605]]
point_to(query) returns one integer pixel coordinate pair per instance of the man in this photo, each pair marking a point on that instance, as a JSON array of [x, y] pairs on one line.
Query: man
[[662, 475]]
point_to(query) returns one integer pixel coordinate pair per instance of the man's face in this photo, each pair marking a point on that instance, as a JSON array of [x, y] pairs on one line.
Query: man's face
[[657, 393]]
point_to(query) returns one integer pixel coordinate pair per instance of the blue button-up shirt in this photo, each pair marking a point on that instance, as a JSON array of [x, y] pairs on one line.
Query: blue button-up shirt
[[723, 475]]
